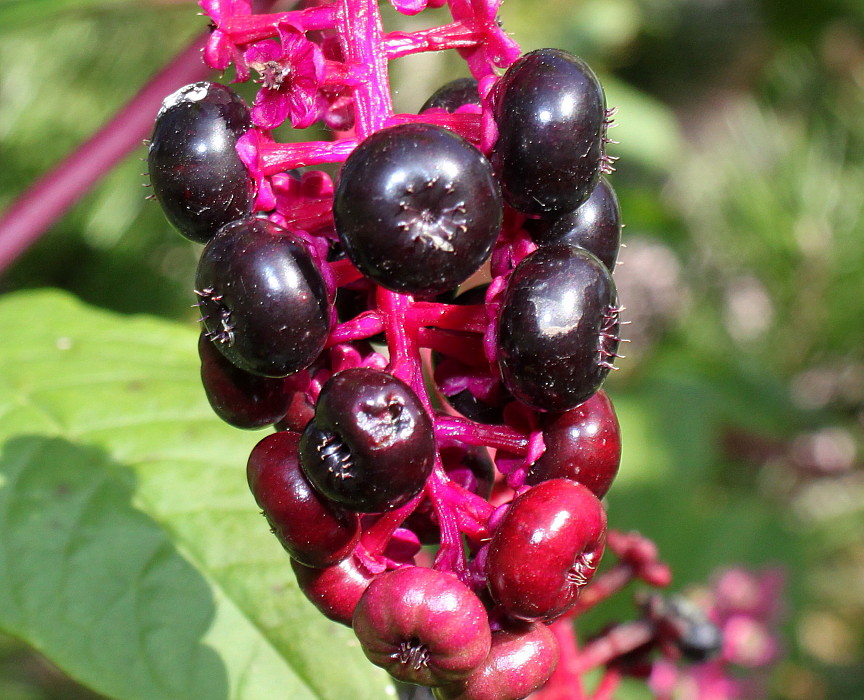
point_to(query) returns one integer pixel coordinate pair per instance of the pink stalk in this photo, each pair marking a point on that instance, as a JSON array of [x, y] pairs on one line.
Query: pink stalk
[[27, 218]]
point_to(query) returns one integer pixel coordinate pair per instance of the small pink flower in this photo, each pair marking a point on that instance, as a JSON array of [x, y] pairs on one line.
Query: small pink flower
[[220, 51], [291, 70]]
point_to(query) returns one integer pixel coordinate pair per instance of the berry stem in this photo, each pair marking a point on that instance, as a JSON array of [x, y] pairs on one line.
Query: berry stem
[[247, 29], [501, 437], [614, 643], [457, 35], [605, 690]]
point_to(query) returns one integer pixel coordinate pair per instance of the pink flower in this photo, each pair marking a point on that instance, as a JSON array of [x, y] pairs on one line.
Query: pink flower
[[220, 50], [291, 70]]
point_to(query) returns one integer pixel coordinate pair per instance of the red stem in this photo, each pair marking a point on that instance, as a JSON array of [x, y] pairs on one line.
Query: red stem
[[28, 217]]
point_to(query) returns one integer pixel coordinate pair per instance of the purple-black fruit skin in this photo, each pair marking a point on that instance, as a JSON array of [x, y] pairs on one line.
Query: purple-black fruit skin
[[196, 174], [429, 610], [417, 208], [263, 299], [546, 548], [582, 444], [557, 328], [241, 399], [551, 115], [521, 659], [595, 225], [371, 445], [311, 529], [453, 95]]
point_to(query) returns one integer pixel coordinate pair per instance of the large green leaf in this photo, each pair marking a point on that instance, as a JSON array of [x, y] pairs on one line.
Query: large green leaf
[[131, 553]]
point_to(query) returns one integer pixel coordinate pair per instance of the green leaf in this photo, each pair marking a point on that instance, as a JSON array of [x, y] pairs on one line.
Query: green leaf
[[17, 13], [131, 553]]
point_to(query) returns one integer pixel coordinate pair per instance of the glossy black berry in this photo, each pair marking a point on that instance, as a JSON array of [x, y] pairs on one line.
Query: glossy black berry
[[551, 117], [263, 300], [196, 174], [455, 94], [311, 529], [370, 446], [595, 225], [557, 328], [417, 208], [240, 398]]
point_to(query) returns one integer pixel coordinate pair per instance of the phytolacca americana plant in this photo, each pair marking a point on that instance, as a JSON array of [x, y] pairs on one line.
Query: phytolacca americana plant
[[301, 282]]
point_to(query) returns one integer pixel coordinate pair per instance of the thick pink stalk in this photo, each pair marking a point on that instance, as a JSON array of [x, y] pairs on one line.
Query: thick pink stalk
[[27, 218]]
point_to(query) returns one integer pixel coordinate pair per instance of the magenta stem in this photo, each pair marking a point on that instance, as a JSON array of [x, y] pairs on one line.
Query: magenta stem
[[247, 29], [449, 36], [275, 158], [451, 316], [607, 686], [363, 326], [501, 437], [468, 349], [614, 643], [29, 216], [376, 537], [467, 125]]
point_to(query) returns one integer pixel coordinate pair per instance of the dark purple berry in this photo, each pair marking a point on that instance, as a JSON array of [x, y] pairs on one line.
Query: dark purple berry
[[370, 446], [417, 208], [263, 300], [312, 530], [334, 590], [551, 117], [455, 94], [595, 225], [194, 168], [583, 444], [545, 549], [422, 626], [240, 398], [557, 328], [521, 659]]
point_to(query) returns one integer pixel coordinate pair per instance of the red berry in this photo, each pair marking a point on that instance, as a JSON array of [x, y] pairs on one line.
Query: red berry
[[313, 530], [334, 590], [546, 548], [583, 444]]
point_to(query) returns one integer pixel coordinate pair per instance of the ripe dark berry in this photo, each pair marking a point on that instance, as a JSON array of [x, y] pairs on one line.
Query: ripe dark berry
[[194, 168], [546, 549], [422, 626], [263, 300], [521, 659], [417, 208], [334, 590], [239, 398], [557, 328], [583, 444], [551, 117], [312, 530], [370, 446], [595, 225], [455, 94]]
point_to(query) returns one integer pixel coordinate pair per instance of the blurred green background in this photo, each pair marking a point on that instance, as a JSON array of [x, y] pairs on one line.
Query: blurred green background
[[741, 181]]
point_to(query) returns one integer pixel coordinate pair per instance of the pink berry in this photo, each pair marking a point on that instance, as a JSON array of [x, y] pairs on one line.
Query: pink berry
[[422, 626], [520, 661]]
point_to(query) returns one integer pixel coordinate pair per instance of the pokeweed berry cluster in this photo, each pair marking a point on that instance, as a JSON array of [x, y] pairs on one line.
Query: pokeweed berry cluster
[[339, 314]]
